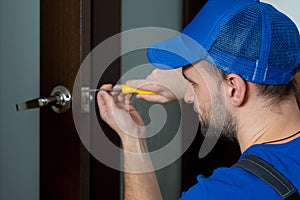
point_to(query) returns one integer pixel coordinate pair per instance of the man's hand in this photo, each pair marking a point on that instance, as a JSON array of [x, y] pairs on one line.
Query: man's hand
[[118, 112], [169, 85]]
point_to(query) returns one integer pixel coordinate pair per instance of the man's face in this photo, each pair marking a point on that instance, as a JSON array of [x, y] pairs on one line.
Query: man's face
[[205, 91]]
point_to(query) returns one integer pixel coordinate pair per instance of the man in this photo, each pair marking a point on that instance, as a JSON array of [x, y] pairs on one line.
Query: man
[[241, 84]]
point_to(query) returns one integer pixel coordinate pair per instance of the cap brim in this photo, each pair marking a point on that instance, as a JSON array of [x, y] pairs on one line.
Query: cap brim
[[178, 51]]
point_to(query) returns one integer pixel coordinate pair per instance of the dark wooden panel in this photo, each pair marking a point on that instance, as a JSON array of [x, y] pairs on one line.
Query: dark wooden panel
[[60, 60], [85, 48], [69, 31], [190, 9], [106, 22]]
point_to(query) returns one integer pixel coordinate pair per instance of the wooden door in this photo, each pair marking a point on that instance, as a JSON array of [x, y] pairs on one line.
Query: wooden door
[[69, 30]]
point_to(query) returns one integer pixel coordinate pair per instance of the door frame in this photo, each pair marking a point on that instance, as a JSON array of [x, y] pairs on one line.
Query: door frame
[[69, 31]]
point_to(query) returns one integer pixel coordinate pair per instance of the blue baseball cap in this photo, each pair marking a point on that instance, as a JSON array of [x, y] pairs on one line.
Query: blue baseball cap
[[244, 37]]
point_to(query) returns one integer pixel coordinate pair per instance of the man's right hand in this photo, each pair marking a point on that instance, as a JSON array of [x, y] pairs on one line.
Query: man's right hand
[[169, 85]]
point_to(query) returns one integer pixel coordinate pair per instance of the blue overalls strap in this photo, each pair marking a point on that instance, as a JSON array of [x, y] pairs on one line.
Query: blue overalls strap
[[270, 175]]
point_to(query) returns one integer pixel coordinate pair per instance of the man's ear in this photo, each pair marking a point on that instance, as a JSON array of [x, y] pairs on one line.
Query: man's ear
[[236, 89]]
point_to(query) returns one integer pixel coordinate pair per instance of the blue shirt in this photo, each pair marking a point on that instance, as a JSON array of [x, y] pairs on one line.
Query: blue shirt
[[236, 183]]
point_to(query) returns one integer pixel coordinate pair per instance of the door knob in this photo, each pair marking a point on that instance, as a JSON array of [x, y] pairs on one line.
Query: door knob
[[59, 100]]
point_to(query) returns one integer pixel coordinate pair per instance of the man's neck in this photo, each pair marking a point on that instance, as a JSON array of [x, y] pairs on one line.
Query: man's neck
[[263, 124]]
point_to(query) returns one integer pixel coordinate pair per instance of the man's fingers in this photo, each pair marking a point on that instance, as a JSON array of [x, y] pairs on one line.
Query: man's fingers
[[100, 96], [128, 98], [119, 97], [148, 86], [140, 84], [104, 102], [137, 83], [153, 98]]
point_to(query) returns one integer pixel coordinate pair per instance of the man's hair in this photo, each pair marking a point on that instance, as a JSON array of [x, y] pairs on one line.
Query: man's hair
[[274, 93]]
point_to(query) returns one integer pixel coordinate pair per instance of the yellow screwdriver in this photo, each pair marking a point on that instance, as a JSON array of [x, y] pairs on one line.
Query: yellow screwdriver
[[125, 89]]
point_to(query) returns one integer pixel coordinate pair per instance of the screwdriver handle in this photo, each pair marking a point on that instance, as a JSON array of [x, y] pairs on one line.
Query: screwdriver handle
[[127, 90]]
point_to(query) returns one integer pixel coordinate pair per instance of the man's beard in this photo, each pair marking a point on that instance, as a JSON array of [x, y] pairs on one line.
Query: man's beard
[[220, 122]]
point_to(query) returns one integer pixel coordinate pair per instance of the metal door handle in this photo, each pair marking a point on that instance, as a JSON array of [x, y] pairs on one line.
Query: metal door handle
[[60, 101]]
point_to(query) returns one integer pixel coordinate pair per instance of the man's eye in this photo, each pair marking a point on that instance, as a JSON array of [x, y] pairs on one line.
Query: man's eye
[[192, 83]]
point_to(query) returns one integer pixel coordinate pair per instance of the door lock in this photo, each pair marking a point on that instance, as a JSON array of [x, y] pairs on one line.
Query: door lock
[[59, 100]]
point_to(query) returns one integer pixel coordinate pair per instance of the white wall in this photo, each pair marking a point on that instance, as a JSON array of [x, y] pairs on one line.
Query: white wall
[[289, 7], [19, 81]]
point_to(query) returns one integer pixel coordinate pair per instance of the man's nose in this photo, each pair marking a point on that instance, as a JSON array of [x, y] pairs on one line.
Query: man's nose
[[189, 96]]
